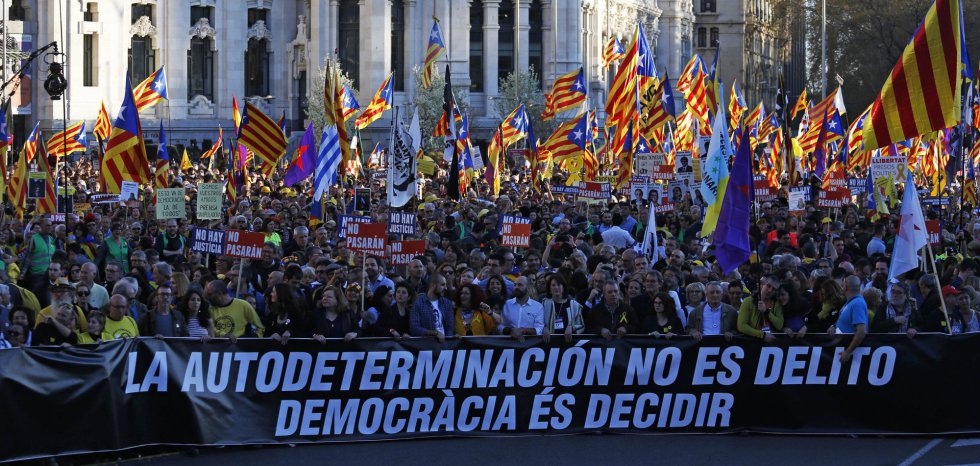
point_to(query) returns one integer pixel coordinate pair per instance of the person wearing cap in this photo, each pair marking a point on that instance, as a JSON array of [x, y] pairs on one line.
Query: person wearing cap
[[63, 296], [58, 328], [963, 319]]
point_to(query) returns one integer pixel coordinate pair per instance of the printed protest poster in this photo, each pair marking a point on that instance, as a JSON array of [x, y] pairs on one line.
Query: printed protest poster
[[402, 223], [797, 201], [244, 244], [37, 185], [209, 200], [515, 235], [347, 219], [368, 238], [402, 252], [889, 167], [129, 191], [208, 241], [170, 203]]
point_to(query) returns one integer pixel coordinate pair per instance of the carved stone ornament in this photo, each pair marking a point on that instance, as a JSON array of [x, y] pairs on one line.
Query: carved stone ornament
[[258, 31], [143, 28], [200, 106], [260, 102], [202, 29]]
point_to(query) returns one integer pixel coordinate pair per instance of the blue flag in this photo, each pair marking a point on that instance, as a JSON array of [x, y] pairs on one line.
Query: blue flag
[[732, 244]]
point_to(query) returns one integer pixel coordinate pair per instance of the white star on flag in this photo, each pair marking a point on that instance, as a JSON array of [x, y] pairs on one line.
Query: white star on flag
[[577, 134], [434, 35], [157, 85], [832, 124], [122, 113]]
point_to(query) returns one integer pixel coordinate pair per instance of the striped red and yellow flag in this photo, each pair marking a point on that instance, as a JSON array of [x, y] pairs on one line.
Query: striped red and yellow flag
[[697, 98], [801, 104], [621, 105], [559, 144], [612, 52], [379, 103], [236, 113], [262, 136], [125, 155], [66, 142], [435, 50], [49, 204], [216, 146], [815, 115], [687, 75], [922, 93], [103, 125], [17, 187], [568, 91], [152, 90]]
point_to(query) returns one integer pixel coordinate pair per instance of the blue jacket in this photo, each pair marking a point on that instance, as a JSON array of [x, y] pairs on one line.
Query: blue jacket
[[422, 317]]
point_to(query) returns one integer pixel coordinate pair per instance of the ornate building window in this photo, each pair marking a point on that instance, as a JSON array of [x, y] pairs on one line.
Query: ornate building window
[[505, 44], [257, 56], [200, 57], [348, 40], [535, 37], [142, 57], [398, 44], [476, 46]]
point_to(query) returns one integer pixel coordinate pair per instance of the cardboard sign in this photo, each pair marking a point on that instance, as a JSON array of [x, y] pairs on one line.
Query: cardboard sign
[[402, 223], [833, 197], [802, 189], [348, 219], [244, 244], [932, 228], [37, 185], [507, 218], [208, 241], [362, 199], [592, 190], [170, 203], [130, 191], [763, 191], [209, 197], [517, 235], [402, 252], [369, 238], [797, 201], [894, 167]]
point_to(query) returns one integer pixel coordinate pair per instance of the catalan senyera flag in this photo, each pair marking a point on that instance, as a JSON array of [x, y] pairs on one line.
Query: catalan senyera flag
[[152, 90], [736, 107], [216, 146], [125, 155], [561, 144], [262, 135], [612, 52], [549, 110], [859, 157], [922, 93], [515, 125], [17, 186], [697, 97], [103, 125], [568, 91], [67, 142], [622, 102], [49, 204], [379, 103], [161, 174], [435, 50], [801, 104], [349, 104], [815, 116], [713, 85], [334, 100], [970, 186]]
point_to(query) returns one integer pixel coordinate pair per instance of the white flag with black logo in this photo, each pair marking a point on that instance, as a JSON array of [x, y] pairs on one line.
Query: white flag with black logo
[[401, 171]]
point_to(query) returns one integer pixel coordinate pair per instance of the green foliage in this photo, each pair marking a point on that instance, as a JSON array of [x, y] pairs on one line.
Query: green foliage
[[315, 111], [525, 88]]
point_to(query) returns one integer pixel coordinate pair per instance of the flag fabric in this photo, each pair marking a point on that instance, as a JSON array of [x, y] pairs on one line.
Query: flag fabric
[[687, 74], [282, 122], [736, 107], [451, 152], [236, 113], [185, 162], [327, 164], [125, 155], [493, 154], [349, 104], [515, 125], [162, 172], [922, 93], [402, 173], [663, 111], [612, 52], [970, 185], [381, 102], [732, 244], [31, 144], [859, 158], [68, 141], [697, 97], [568, 91], [621, 103], [17, 186], [103, 125], [820, 151], [801, 104], [216, 147], [465, 154], [304, 161], [828, 107], [435, 50], [563, 144], [911, 235], [713, 86], [715, 174], [649, 247], [152, 90], [262, 136], [626, 149], [49, 204]]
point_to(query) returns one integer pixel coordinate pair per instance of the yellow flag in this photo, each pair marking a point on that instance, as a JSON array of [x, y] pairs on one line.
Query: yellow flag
[[185, 162]]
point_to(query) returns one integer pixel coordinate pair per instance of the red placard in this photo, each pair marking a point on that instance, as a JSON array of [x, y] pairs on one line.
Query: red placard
[[244, 244], [517, 235], [833, 197], [932, 228], [368, 238], [402, 252]]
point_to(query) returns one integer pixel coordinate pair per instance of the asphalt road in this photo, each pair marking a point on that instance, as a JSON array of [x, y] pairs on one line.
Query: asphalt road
[[599, 450]]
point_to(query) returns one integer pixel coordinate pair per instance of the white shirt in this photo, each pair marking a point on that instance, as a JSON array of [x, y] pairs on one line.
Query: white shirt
[[435, 305], [527, 315], [711, 320], [98, 297], [617, 238]]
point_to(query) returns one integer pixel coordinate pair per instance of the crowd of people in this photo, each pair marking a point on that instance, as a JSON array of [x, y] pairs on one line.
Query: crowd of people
[[114, 271]]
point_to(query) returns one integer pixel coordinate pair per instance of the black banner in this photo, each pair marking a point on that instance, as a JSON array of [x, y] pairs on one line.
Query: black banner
[[178, 391]]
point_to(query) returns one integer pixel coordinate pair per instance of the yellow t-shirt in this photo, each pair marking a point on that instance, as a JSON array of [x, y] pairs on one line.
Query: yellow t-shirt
[[85, 338], [123, 328], [80, 321], [234, 317]]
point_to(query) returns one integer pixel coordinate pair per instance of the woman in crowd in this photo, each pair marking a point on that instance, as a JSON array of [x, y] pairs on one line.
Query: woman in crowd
[[496, 288], [663, 322], [25, 317], [352, 293], [95, 334], [562, 314], [832, 299], [333, 317], [695, 296], [379, 303], [82, 293], [794, 310], [287, 315], [393, 320], [473, 315], [197, 312]]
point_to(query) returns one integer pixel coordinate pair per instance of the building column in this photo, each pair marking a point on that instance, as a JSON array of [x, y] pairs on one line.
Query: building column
[[525, 14], [491, 30], [319, 33], [549, 55], [413, 50], [332, 26], [375, 34]]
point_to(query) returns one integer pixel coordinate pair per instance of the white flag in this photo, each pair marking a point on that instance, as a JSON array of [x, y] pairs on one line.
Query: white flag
[[401, 172], [912, 235]]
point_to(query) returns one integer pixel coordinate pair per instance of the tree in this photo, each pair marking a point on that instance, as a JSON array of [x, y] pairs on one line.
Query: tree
[[429, 102], [525, 89], [315, 110]]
